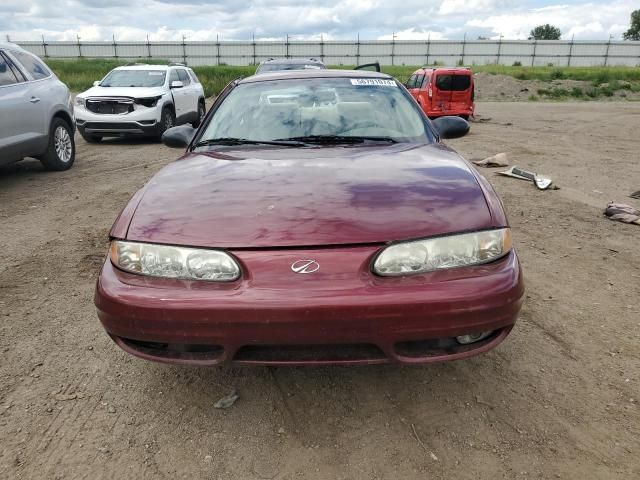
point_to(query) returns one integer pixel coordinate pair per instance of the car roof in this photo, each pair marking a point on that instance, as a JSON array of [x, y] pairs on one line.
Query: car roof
[[292, 61], [299, 74], [446, 69], [12, 46], [144, 66]]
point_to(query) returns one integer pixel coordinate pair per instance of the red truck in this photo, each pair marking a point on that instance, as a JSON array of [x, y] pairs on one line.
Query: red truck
[[443, 91]]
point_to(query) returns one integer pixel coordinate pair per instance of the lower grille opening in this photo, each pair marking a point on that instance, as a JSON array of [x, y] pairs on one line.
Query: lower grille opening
[[435, 347], [182, 351], [309, 353], [112, 125]]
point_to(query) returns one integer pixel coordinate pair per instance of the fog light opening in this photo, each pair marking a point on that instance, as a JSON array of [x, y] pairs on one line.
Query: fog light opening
[[473, 338]]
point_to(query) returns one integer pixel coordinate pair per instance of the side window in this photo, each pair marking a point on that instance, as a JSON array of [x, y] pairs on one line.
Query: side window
[[419, 80], [425, 84], [411, 83], [31, 64], [7, 77], [173, 76], [193, 76], [184, 78]]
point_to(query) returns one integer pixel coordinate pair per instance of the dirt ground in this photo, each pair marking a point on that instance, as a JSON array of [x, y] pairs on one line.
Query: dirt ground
[[490, 88], [558, 399]]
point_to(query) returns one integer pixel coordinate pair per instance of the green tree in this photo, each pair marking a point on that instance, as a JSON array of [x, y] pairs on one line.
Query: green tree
[[634, 29], [545, 32]]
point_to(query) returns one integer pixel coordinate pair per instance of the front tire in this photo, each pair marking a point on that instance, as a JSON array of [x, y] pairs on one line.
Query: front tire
[[167, 120], [202, 111], [61, 151]]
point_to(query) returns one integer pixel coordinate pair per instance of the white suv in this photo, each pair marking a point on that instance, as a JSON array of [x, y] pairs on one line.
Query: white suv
[[140, 99]]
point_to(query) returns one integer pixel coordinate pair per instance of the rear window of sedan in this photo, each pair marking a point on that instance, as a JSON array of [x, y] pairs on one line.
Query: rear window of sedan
[[281, 109], [276, 67]]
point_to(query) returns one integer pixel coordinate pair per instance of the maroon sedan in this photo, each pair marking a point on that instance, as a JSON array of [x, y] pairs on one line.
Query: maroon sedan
[[315, 218]]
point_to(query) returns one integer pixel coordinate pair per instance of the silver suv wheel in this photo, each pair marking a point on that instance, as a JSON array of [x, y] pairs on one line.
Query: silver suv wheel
[[63, 146]]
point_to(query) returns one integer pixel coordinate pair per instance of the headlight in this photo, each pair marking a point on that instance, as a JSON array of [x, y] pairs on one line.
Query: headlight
[[174, 262], [79, 101], [148, 101], [443, 252]]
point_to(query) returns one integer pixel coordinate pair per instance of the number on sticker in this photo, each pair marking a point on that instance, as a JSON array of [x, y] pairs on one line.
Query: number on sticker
[[379, 82]]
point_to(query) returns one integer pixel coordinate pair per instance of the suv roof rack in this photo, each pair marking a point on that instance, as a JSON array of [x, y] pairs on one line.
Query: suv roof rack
[[131, 64], [176, 64]]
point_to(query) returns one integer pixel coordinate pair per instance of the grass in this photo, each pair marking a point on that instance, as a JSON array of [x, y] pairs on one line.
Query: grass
[[80, 75], [595, 75], [214, 79]]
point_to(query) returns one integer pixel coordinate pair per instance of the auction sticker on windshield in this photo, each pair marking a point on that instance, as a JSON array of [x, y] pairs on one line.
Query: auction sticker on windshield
[[374, 82]]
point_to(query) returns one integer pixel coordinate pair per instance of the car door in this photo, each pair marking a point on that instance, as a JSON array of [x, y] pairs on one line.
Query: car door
[[180, 101], [422, 94], [21, 117], [40, 95], [441, 99], [415, 91], [461, 90], [411, 84], [191, 94]]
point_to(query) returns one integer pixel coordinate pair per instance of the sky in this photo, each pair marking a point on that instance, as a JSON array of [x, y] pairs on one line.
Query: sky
[[308, 19]]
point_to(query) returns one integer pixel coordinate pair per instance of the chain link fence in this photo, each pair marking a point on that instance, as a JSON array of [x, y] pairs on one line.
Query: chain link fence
[[391, 52]]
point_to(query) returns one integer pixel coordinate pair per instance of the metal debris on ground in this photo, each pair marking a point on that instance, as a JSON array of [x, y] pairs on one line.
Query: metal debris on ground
[[541, 182], [622, 212], [497, 160], [227, 401], [480, 119]]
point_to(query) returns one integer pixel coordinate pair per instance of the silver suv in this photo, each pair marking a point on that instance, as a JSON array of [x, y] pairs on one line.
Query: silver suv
[[36, 111], [140, 99]]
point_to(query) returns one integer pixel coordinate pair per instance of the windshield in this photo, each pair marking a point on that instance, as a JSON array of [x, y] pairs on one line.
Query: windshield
[[276, 67], [318, 107], [134, 78]]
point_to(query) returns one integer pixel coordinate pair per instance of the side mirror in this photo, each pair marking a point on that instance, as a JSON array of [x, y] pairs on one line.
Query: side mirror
[[451, 127], [96, 83], [178, 137], [176, 84]]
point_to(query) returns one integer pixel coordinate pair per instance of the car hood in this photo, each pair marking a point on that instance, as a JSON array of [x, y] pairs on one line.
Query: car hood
[[134, 92], [275, 197]]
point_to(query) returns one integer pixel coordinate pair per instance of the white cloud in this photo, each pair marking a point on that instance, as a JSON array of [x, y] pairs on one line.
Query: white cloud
[[412, 34], [584, 21], [464, 7], [305, 19]]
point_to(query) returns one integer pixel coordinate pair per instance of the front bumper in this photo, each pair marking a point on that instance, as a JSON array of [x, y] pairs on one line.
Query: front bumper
[[143, 122], [276, 317]]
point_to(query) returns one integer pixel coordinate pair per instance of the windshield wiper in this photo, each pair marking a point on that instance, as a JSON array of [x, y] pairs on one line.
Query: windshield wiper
[[339, 139], [246, 141]]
